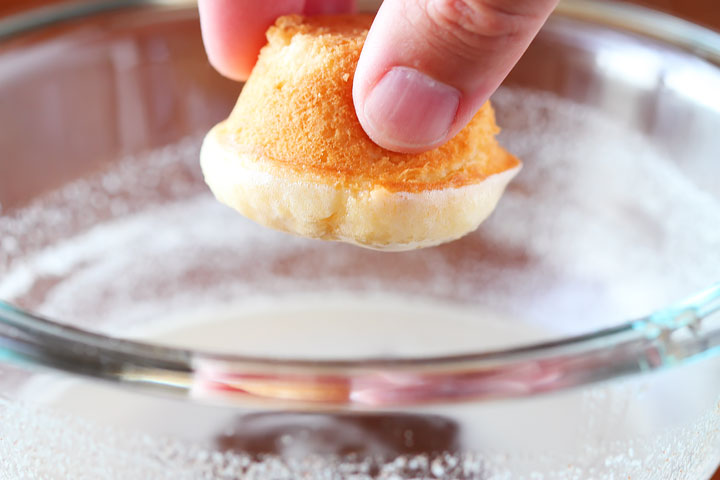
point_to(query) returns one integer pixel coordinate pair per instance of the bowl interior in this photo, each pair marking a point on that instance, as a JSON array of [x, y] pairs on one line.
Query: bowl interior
[[108, 226]]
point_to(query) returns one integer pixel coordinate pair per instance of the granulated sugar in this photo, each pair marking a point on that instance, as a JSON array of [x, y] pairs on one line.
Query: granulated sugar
[[604, 207], [598, 228]]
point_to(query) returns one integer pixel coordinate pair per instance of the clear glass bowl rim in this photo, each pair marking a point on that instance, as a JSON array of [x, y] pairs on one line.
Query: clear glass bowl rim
[[675, 335]]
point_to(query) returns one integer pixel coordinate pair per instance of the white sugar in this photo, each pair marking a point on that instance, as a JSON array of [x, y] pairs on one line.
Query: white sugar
[[599, 227]]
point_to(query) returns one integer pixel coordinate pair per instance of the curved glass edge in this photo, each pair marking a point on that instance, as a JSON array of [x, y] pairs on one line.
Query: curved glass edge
[[676, 335], [672, 336], [41, 17], [648, 22], [635, 18]]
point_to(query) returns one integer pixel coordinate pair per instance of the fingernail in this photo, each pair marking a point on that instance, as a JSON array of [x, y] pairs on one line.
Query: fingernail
[[407, 109]]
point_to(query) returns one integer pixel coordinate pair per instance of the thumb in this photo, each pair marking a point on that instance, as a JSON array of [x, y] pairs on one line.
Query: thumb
[[428, 65]]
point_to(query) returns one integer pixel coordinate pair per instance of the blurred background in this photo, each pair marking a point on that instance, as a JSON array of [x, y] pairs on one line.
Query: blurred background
[[703, 12]]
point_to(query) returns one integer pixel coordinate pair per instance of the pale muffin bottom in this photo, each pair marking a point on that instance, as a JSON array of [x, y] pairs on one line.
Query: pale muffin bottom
[[371, 217]]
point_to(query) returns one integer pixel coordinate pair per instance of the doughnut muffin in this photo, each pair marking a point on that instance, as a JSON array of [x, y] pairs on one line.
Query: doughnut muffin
[[293, 156]]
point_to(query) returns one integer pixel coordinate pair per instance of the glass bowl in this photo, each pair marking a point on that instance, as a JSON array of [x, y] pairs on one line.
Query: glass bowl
[[146, 331]]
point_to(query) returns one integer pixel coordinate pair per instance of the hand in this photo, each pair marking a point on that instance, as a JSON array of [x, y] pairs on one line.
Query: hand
[[427, 65]]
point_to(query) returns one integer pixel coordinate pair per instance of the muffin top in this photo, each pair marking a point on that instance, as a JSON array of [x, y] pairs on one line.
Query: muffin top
[[296, 111]]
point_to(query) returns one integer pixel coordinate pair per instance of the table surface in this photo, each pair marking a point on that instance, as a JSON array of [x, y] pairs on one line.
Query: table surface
[[704, 12]]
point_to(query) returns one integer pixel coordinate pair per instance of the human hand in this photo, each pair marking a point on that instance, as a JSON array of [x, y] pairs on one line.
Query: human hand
[[426, 68]]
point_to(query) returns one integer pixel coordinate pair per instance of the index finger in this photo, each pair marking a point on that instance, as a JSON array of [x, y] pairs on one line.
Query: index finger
[[234, 30]]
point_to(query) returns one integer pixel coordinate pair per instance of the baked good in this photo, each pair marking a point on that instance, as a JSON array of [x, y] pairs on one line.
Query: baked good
[[293, 156]]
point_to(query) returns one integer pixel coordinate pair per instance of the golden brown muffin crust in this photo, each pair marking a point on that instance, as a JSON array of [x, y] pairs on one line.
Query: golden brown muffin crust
[[302, 116]]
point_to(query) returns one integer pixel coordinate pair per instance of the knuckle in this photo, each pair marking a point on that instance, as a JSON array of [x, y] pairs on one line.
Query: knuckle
[[472, 23]]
